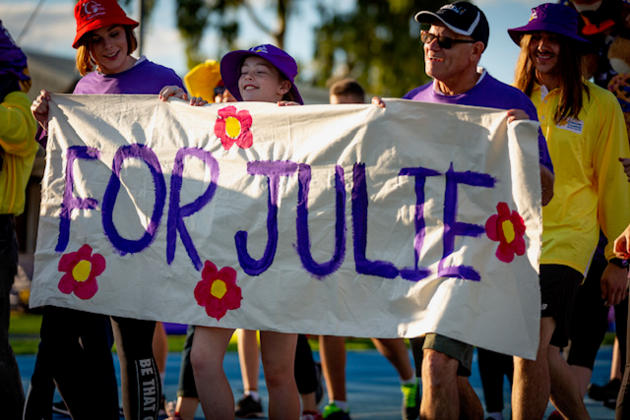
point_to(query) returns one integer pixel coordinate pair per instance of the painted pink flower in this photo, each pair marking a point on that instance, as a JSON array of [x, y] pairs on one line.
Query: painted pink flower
[[81, 269], [508, 229], [217, 291], [233, 127]]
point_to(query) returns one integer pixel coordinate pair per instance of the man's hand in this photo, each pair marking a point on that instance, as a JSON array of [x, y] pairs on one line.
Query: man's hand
[[614, 284]]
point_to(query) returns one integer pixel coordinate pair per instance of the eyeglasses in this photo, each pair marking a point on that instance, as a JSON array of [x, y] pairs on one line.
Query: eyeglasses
[[443, 41]]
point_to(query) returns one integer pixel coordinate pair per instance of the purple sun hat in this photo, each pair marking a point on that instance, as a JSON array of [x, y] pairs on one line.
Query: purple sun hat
[[283, 62], [13, 59], [550, 17]]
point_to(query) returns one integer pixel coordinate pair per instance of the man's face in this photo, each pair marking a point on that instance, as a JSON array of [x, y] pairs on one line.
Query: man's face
[[446, 64], [544, 48]]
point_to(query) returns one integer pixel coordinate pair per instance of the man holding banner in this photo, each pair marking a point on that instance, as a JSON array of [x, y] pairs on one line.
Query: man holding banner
[[453, 44]]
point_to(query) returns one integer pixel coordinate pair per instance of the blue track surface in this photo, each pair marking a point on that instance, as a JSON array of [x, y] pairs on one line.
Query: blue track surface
[[372, 383]]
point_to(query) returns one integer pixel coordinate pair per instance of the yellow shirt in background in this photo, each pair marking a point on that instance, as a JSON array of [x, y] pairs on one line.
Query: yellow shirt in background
[[591, 189], [17, 138]]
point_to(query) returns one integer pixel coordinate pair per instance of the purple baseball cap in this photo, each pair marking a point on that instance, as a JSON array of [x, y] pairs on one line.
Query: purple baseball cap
[[550, 17], [13, 59], [232, 61]]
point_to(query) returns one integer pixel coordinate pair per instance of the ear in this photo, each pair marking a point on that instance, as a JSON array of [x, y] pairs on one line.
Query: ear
[[477, 49], [285, 87]]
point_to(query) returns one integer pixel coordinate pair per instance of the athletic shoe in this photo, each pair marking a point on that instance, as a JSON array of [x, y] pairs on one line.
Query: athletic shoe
[[332, 412], [59, 407], [604, 392], [247, 407], [411, 401], [311, 415]]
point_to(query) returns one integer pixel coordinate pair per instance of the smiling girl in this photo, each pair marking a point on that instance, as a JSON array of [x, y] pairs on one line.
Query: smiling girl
[[104, 41]]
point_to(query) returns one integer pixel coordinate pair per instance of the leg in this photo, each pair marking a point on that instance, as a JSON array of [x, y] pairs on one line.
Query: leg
[[141, 382], [395, 350], [491, 370], [623, 399], [565, 394], [187, 400], [332, 352], [469, 404], [248, 358], [305, 374], [39, 399], [278, 357], [11, 392], [532, 385], [440, 398], [208, 351]]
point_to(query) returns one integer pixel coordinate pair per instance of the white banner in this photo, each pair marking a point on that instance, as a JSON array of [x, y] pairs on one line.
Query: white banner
[[349, 220]]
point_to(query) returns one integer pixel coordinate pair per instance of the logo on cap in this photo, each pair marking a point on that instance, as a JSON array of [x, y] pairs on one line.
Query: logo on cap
[[455, 8], [93, 9], [260, 49], [534, 15]]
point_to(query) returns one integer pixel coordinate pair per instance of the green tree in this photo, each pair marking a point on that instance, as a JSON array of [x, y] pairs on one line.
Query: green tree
[[193, 16], [377, 43]]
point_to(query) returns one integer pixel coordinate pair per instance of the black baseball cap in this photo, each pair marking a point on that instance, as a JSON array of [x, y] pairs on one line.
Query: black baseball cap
[[460, 17]]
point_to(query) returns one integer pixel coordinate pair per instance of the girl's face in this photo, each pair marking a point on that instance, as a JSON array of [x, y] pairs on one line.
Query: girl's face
[[544, 49], [109, 49], [261, 81]]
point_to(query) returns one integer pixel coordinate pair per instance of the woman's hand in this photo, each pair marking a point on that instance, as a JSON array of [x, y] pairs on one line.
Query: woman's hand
[[39, 108], [176, 91], [287, 103]]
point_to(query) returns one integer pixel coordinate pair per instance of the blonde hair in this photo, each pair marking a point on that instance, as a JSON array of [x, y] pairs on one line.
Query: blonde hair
[[569, 66], [84, 61]]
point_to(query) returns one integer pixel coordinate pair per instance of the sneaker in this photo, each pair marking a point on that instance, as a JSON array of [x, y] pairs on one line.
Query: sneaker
[[59, 407], [411, 401], [247, 407], [604, 392], [332, 412], [311, 415]]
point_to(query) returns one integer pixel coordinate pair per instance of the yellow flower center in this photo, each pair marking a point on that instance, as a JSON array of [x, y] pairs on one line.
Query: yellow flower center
[[218, 289], [508, 230], [232, 127], [82, 270]]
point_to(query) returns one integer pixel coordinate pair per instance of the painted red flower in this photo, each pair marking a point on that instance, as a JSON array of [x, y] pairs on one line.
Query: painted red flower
[[217, 291], [81, 269], [233, 127], [508, 229]]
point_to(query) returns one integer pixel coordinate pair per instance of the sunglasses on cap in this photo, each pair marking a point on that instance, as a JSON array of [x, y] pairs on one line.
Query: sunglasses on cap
[[444, 42]]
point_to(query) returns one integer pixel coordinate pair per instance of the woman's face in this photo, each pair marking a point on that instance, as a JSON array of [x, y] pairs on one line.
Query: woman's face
[[261, 81], [544, 48], [109, 49]]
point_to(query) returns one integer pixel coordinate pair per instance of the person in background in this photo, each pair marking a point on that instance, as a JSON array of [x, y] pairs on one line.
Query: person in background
[[586, 134], [17, 153], [104, 41], [332, 349]]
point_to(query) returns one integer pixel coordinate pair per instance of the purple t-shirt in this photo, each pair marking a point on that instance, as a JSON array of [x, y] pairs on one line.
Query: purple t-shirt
[[491, 93], [145, 77]]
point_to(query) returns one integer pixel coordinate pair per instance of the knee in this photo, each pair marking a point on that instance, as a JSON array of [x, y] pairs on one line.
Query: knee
[[278, 374], [438, 368]]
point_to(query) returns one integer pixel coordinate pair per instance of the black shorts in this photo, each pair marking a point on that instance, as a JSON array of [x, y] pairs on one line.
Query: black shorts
[[458, 350], [558, 287]]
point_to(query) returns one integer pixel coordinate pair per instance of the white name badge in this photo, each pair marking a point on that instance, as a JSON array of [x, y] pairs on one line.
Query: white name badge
[[573, 125]]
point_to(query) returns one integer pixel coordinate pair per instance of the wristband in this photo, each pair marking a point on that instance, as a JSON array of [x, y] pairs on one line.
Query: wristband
[[619, 262]]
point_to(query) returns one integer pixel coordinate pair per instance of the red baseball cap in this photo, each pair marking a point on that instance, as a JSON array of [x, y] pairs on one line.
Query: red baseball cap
[[96, 14]]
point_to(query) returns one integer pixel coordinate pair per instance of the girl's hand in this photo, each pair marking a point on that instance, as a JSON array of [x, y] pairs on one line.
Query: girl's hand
[[621, 246], [39, 108], [378, 101], [197, 101], [176, 91], [287, 103]]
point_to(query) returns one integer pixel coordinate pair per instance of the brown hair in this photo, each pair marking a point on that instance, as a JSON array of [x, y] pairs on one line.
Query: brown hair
[[569, 66], [84, 61], [347, 87]]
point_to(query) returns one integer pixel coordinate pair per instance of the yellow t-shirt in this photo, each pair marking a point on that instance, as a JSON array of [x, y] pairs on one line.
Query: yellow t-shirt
[[591, 190], [17, 138]]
